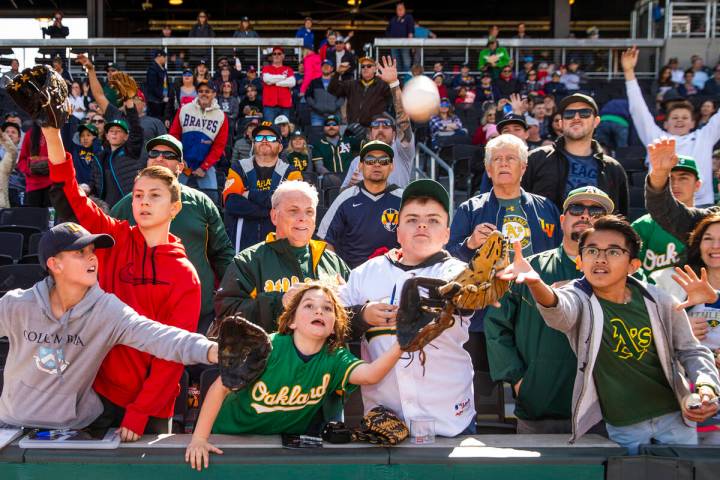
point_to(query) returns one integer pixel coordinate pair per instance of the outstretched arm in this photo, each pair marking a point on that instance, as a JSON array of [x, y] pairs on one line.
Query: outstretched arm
[[387, 71], [372, 373], [95, 86], [641, 116], [520, 271], [198, 451]]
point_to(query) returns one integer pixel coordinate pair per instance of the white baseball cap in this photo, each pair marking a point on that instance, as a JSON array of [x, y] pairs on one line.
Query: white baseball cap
[[281, 119]]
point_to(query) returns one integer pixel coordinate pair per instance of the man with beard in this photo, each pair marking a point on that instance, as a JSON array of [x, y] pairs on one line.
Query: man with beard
[[522, 350], [332, 154], [575, 159]]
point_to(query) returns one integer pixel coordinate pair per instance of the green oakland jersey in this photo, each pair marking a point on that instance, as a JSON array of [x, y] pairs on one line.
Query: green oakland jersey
[[630, 380], [659, 249], [288, 395], [515, 225]]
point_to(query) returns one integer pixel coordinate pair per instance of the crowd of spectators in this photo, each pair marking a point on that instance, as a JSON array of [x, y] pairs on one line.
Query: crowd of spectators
[[284, 174]]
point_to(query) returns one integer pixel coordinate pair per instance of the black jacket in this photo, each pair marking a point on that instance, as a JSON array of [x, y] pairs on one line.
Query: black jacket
[[120, 167], [155, 77], [363, 100], [547, 173]]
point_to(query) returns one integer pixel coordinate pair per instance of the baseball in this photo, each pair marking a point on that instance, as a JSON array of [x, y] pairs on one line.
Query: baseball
[[420, 98]]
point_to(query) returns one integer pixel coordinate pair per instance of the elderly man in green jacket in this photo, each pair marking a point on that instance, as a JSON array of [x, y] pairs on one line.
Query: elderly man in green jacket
[[199, 225], [262, 278], [523, 351]]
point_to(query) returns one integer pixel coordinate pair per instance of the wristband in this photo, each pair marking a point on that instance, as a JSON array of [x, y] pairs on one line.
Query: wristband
[[394, 84]]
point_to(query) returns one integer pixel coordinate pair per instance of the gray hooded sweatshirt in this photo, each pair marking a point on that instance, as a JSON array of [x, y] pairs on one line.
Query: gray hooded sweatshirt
[[52, 362]]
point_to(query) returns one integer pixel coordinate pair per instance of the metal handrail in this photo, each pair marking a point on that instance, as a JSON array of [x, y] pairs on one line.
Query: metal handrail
[[145, 42], [436, 160]]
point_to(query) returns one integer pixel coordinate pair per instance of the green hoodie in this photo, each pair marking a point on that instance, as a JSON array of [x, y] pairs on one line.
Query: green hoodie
[[521, 346], [203, 235], [259, 276]]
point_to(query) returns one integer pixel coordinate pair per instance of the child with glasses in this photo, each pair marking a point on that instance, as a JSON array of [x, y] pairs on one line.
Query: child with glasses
[[636, 353]]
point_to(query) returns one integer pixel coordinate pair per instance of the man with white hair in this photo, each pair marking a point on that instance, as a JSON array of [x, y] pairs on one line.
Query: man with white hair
[[250, 184], [523, 217], [258, 277]]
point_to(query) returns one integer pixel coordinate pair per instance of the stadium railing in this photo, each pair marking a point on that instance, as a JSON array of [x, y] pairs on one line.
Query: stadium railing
[[599, 58], [434, 161], [686, 19]]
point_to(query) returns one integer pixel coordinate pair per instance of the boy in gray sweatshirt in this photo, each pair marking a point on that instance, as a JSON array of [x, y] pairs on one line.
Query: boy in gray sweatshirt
[[61, 329]]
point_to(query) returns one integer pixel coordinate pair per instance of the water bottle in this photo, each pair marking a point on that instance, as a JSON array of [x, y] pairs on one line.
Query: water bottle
[[51, 220]]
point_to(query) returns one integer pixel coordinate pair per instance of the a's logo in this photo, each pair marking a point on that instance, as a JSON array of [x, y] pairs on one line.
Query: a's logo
[[74, 227], [515, 229], [50, 360], [390, 219], [631, 342]]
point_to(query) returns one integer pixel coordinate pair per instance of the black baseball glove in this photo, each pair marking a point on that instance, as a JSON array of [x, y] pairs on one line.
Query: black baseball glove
[[381, 426], [244, 349], [43, 94]]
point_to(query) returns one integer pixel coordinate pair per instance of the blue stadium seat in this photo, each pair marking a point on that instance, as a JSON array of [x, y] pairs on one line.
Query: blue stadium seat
[[11, 244], [19, 276], [30, 216]]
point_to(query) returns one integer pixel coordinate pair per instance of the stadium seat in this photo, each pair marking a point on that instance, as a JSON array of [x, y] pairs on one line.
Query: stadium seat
[[312, 178], [6, 260], [330, 180], [637, 197], [26, 231], [329, 195], [33, 243], [19, 276], [30, 216], [207, 377], [33, 259], [632, 158], [11, 244], [637, 179]]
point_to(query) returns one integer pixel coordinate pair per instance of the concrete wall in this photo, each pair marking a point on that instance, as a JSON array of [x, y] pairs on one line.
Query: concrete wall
[[684, 48]]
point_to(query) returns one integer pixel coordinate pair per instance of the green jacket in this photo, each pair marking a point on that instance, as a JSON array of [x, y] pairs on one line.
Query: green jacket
[[336, 158], [521, 345], [201, 229], [259, 276], [659, 249], [503, 58]]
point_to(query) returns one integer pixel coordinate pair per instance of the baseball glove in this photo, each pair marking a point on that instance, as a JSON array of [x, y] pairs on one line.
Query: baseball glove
[[124, 84], [381, 426], [477, 286], [243, 351], [43, 94]]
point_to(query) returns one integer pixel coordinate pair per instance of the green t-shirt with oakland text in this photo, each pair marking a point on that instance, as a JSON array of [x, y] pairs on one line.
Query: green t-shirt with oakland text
[[289, 394], [628, 375]]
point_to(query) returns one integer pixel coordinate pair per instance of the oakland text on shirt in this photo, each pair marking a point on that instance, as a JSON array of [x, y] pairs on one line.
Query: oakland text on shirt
[[286, 398], [631, 342], [204, 123], [655, 261]]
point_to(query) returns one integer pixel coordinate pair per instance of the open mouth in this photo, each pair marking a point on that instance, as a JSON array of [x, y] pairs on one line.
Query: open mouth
[[714, 256], [92, 269], [318, 322], [600, 271]]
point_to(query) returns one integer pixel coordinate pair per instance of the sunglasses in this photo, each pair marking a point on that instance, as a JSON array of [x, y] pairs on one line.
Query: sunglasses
[[98, 121], [164, 154], [594, 211], [204, 91], [382, 161], [570, 113], [277, 54], [331, 124], [381, 123], [367, 65], [267, 138]]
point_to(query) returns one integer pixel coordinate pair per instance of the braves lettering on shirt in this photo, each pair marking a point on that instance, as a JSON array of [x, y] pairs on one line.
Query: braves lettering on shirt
[[205, 123]]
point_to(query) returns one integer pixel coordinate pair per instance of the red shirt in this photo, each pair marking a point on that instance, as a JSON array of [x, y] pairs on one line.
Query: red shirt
[[157, 282], [273, 95], [32, 181]]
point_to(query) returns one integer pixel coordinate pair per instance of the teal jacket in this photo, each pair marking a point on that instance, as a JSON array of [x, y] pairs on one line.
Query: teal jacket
[[521, 346], [200, 228]]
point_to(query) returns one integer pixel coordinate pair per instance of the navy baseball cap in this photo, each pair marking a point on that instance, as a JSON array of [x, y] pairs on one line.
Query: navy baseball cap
[[267, 126], [67, 237], [512, 118]]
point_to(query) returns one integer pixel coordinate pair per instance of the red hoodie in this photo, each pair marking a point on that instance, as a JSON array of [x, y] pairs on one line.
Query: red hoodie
[[158, 282]]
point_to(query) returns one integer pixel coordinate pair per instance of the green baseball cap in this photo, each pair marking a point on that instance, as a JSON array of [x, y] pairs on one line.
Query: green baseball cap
[[426, 187], [89, 127], [376, 145], [118, 122], [592, 194], [688, 164], [167, 140]]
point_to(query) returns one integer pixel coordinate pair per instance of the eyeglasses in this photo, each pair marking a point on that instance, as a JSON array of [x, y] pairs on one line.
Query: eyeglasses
[[204, 91], [277, 54], [570, 113], [331, 124], [498, 160], [164, 154], [96, 122], [267, 138], [367, 65], [593, 211], [381, 123], [610, 252], [382, 161]]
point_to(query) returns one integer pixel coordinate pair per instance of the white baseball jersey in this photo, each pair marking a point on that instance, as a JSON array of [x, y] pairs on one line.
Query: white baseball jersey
[[444, 391]]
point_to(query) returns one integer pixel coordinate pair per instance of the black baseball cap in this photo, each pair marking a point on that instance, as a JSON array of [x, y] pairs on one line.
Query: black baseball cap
[[10, 124], [426, 187], [67, 237], [210, 85], [332, 118], [267, 126], [577, 97], [512, 118], [111, 65]]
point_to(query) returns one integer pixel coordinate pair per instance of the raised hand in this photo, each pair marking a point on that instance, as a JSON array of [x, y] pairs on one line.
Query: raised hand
[[629, 59], [520, 271], [84, 61], [662, 160], [698, 289], [387, 69], [519, 107]]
